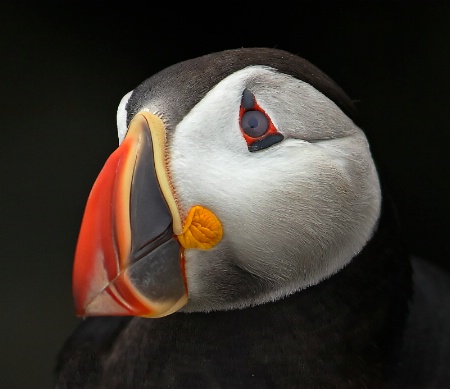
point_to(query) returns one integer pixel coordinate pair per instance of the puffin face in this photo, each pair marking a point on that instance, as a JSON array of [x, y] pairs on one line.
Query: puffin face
[[236, 182]]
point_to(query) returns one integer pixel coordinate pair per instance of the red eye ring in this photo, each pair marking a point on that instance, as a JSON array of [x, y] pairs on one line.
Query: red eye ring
[[271, 130]]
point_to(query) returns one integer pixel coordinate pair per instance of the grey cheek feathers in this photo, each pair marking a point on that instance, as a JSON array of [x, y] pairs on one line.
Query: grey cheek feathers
[[293, 214]]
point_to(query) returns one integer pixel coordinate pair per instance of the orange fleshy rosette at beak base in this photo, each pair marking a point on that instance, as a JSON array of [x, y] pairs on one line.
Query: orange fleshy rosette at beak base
[[129, 258], [202, 229]]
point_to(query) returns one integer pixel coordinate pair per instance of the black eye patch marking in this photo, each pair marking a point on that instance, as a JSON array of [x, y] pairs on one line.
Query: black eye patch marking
[[265, 142], [248, 100], [256, 126]]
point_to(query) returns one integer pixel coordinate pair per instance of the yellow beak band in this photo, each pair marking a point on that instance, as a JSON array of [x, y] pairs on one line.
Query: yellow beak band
[[201, 229]]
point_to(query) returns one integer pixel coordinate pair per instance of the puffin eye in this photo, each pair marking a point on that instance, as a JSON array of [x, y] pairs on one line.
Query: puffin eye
[[254, 123], [257, 128]]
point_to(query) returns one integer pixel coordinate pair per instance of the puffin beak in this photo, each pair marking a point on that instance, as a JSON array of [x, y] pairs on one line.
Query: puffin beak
[[128, 259]]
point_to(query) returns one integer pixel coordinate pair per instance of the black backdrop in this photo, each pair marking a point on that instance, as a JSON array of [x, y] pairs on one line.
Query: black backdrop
[[65, 66]]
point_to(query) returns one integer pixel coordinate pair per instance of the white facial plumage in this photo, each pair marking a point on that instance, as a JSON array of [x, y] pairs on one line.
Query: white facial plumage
[[294, 213], [122, 117]]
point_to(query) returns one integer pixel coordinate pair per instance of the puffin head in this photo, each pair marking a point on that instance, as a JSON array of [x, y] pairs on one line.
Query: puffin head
[[241, 177]]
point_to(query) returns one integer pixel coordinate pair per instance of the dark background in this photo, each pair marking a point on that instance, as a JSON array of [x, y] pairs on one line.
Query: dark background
[[65, 66]]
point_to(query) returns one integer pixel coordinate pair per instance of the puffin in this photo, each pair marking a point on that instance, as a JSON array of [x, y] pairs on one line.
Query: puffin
[[240, 236]]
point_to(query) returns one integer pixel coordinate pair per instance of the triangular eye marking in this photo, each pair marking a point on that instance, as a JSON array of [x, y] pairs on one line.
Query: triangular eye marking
[[257, 128]]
